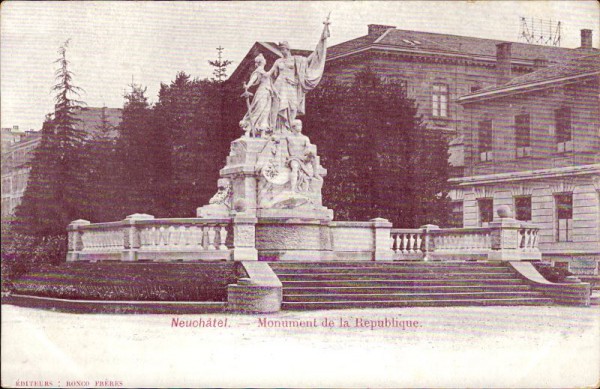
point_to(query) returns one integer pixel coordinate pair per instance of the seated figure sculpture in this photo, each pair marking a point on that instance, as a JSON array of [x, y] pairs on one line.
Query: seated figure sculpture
[[301, 161]]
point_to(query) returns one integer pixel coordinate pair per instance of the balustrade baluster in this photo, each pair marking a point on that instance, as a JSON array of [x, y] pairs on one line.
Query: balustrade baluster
[[419, 241], [211, 237], [411, 243], [152, 238], [521, 237], [192, 236], [180, 236], [223, 236], [171, 235], [185, 236], [438, 242], [480, 241], [162, 236]]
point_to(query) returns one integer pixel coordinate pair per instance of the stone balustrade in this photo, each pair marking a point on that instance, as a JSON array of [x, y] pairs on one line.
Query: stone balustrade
[[459, 240], [528, 238], [242, 238], [433, 243], [407, 243], [142, 237]]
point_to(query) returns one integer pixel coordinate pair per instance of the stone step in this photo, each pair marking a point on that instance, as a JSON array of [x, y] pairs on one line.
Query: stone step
[[403, 289], [403, 282], [414, 303], [325, 297], [390, 275], [387, 269]]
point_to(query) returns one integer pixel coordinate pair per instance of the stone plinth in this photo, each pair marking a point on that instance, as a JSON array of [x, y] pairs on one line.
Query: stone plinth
[[260, 292], [504, 237], [282, 239]]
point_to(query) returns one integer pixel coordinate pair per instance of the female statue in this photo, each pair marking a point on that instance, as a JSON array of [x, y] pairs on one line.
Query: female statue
[[259, 111], [294, 77]]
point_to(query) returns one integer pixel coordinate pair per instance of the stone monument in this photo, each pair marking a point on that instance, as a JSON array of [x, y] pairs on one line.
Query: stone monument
[[273, 171]]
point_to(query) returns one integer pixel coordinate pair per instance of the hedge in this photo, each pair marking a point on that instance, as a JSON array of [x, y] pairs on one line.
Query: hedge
[[118, 281]]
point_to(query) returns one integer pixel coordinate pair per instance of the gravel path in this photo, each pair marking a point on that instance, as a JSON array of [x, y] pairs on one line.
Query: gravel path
[[415, 347]]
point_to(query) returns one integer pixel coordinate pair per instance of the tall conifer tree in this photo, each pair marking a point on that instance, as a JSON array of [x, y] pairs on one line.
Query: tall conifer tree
[[54, 196]]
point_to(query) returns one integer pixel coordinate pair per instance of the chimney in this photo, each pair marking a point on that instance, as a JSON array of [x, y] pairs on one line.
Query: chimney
[[586, 39], [539, 63], [378, 28], [503, 62]]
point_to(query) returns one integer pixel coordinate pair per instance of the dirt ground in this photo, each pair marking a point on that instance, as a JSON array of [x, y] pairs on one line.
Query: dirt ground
[[415, 347]]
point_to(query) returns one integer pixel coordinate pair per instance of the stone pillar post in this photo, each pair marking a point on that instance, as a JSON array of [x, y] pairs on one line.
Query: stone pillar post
[[428, 243], [250, 193], [131, 236], [504, 236], [382, 229], [244, 238], [74, 239]]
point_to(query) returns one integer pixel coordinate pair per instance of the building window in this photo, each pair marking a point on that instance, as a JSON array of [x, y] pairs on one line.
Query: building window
[[563, 124], [562, 119], [485, 140], [456, 214], [564, 217], [522, 134], [439, 100], [486, 211], [523, 208]]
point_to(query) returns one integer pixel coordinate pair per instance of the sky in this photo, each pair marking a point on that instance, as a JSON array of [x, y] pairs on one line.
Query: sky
[[115, 43]]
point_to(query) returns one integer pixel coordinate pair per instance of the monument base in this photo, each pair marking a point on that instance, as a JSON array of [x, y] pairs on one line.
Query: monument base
[[293, 238]]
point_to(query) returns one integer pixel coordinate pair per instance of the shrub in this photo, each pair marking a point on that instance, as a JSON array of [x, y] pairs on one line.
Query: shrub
[[23, 253], [552, 273], [116, 281]]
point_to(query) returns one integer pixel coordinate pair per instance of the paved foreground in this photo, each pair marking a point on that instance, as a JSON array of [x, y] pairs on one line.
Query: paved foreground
[[425, 347]]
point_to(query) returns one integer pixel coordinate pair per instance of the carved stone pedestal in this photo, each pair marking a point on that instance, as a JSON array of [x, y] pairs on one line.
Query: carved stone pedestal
[[277, 182]]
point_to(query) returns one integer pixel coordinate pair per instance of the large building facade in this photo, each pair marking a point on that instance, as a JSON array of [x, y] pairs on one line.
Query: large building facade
[[18, 149], [16, 154], [533, 143]]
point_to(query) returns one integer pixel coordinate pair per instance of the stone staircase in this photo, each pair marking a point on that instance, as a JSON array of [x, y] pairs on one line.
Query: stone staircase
[[334, 285]]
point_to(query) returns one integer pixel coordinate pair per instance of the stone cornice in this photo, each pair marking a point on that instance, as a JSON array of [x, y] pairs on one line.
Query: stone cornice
[[528, 175], [523, 88], [439, 56]]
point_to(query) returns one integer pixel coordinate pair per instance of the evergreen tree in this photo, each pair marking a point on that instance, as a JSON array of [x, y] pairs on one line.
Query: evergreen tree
[[136, 155], [53, 197], [101, 183], [383, 162], [190, 111], [220, 66]]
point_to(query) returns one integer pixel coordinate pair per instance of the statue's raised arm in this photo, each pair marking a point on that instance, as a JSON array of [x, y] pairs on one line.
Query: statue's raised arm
[[294, 77]]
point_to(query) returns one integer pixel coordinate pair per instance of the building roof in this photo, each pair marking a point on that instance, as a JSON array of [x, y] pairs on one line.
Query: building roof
[[572, 69], [271, 52], [91, 119], [394, 38]]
